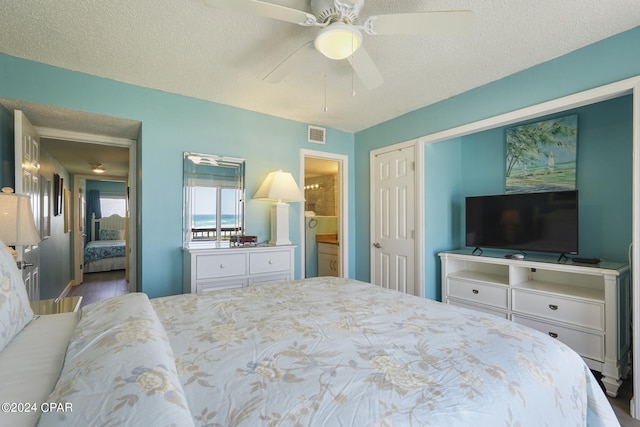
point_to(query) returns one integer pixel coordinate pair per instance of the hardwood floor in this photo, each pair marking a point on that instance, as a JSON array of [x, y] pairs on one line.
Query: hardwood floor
[[621, 405], [100, 286]]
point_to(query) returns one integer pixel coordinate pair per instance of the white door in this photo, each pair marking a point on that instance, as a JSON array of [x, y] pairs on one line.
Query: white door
[[27, 176], [393, 219]]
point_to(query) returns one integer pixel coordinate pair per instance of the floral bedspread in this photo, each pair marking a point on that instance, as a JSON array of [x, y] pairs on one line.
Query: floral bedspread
[[336, 352], [119, 370], [101, 249], [317, 352]]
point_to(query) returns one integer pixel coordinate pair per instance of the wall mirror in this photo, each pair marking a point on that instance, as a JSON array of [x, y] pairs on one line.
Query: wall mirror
[[213, 199]]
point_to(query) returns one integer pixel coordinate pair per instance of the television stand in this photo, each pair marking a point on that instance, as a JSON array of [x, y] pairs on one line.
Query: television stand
[[563, 257], [586, 307]]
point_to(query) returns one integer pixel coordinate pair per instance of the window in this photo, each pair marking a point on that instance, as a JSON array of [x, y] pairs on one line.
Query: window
[[110, 205]]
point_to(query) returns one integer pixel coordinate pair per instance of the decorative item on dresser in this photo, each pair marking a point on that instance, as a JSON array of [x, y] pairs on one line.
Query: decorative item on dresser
[[586, 307], [236, 267]]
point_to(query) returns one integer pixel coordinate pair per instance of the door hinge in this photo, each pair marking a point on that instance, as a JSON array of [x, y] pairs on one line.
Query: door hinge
[[413, 166]]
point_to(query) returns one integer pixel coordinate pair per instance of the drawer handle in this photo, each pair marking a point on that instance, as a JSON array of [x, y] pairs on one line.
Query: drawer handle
[[553, 335], [221, 265], [553, 306], [475, 291], [270, 262]]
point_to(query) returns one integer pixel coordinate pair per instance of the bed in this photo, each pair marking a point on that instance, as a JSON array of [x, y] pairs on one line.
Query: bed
[[315, 352], [107, 248]]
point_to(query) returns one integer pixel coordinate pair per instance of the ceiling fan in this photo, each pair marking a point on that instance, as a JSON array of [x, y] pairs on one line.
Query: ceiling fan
[[340, 37]]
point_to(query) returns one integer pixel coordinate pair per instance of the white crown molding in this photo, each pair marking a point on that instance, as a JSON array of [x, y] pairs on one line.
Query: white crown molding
[[90, 138]]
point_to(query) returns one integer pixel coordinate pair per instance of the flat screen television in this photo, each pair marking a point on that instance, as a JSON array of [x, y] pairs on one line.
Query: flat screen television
[[539, 222]]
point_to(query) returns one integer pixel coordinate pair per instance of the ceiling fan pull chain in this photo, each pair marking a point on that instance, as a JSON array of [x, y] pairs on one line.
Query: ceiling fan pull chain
[[325, 84], [353, 72]]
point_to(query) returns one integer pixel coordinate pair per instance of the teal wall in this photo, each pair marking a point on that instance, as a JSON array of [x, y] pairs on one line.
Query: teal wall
[[172, 124], [111, 187], [605, 62], [56, 251], [443, 182], [604, 172]]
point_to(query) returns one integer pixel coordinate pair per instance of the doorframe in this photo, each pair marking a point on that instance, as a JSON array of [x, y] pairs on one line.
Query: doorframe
[[131, 181], [630, 86], [343, 211], [418, 188]]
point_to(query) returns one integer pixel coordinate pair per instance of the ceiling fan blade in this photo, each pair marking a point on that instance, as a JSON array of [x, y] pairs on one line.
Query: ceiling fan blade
[[366, 69], [284, 68], [444, 22], [268, 10]]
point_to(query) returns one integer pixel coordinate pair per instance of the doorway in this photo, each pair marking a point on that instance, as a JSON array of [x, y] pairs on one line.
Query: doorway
[[72, 139], [324, 217], [115, 158]]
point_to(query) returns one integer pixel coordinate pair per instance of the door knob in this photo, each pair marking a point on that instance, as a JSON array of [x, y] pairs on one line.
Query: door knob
[[23, 264], [377, 245]]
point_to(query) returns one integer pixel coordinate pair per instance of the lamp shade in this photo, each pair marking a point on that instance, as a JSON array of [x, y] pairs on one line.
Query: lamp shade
[[281, 187], [338, 40], [17, 226]]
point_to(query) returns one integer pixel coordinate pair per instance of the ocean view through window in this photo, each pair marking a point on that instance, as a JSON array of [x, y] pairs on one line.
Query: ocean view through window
[[214, 199]]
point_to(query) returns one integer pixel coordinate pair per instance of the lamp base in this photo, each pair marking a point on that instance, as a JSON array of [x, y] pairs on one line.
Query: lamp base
[[280, 224]]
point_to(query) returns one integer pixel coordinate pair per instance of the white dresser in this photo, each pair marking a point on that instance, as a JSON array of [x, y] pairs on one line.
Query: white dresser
[[212, 269], [586, 307]]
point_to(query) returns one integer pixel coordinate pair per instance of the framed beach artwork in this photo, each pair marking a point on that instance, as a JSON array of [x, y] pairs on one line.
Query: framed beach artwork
[[541, 156]]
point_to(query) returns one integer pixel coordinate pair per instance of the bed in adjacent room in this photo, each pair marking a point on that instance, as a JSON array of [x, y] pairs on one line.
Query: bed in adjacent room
[[107, 248], [315, 352]]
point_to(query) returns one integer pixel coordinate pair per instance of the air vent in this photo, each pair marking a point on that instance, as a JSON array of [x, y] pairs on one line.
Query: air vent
[[316, 134]]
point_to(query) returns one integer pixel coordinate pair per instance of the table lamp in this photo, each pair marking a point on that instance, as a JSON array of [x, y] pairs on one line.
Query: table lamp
[[17, 227], [280, 187]]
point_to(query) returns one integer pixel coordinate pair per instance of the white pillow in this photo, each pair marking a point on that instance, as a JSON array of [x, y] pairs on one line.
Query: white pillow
[[15, 311]]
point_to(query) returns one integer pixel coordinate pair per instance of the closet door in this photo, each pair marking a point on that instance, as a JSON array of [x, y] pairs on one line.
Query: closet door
[[393, 219]]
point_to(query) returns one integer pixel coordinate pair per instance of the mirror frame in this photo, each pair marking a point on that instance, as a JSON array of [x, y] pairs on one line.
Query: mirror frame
[[217, 236]]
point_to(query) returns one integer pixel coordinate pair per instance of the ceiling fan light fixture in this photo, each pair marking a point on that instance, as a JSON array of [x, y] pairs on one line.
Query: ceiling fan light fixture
[[338, 40]]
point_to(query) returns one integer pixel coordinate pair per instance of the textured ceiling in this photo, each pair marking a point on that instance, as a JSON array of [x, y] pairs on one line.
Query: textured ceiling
[[187, 48]]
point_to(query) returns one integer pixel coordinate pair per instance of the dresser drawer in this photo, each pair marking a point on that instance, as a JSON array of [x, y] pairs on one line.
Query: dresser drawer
[[220, 265], [218, 285], [266, 262], [586, 344], [577, 312], [479, 293], [482, 308], [264, 279]]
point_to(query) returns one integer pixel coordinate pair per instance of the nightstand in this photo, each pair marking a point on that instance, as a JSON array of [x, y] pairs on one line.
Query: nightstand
[[57, 305]]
